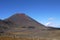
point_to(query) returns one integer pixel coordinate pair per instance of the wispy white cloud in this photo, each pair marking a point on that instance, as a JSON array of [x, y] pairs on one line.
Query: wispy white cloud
[[50, 22], [50, 19]]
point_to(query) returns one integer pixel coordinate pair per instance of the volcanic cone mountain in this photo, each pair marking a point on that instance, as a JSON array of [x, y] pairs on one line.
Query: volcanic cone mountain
[[22, 20], [21, 24]]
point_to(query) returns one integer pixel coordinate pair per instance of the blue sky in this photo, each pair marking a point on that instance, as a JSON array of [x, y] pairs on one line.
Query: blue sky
[[46, 12]]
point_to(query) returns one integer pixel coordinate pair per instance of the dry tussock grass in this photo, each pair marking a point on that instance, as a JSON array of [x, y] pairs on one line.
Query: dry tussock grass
[[23, 38]]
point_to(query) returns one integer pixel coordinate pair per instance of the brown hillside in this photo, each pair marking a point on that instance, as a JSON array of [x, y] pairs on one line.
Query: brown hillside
[[21, 25], [24, 20], [24, 25]]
